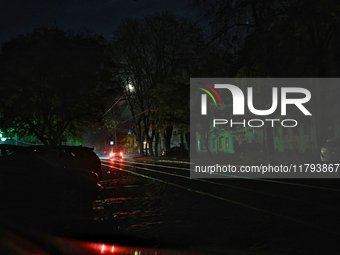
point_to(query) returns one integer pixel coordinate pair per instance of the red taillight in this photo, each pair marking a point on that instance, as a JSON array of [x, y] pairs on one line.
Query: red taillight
[[121, 154], [112, 154]]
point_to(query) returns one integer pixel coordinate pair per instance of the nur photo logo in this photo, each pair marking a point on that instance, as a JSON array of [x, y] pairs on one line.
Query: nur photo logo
[[238, 99], [242, 94], [204, 97]]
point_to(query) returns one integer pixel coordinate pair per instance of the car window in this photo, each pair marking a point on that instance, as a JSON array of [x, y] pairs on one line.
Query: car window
[[77, 152], [15, 153], [5, 152], [4, 161], [19, 158], [47, 153]]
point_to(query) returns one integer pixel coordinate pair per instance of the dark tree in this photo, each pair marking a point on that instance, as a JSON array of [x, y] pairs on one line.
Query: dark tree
[[53, 83], [150, 51]]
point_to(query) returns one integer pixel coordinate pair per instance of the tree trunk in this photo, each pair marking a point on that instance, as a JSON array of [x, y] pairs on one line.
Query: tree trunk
[[150, 143], [206, 143], [167, 136], [187, 139], [270, 140], [156, 143], [141, 149], [140, 140], [182, 145]]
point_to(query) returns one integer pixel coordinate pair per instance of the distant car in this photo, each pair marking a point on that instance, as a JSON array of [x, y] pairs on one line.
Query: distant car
[[330, 151], [71, 157], [175, 152], [116, 153], [33, 181]]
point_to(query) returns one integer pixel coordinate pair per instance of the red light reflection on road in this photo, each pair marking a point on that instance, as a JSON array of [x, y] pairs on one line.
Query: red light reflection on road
[[116, 159], [121, 177], [103, 248], [107, 248], [117, 200]]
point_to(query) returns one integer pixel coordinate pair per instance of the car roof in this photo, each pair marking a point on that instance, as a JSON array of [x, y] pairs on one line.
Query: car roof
[[62, 147], [12, 146]]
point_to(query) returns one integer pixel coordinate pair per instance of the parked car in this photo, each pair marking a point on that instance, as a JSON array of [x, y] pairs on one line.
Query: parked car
[[116, 153], [29, 180], [71, 157], [175, 152], [330, 151]]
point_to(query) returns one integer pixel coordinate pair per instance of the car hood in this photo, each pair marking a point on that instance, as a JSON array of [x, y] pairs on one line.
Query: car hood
[[17, 240]]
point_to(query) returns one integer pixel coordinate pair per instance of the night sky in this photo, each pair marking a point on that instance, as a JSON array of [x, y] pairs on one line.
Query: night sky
[[100, 16]]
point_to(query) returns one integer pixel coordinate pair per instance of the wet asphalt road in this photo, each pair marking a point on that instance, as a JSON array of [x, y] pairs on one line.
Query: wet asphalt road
[[162, 207], [158, 205]]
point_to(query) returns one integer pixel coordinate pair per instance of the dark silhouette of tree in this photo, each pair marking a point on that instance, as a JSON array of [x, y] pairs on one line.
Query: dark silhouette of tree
[[282, 39], [53, 83], [150, 51]]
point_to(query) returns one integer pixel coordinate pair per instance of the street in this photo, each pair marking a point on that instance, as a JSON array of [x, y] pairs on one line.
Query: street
[[154, 203], [159, 205]]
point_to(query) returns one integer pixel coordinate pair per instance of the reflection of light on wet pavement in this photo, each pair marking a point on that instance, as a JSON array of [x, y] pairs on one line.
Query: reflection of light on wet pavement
[[98, 208], [145, 224], [96, 218], [98, 201], [117, 214], [116, 200], [103, 248]]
